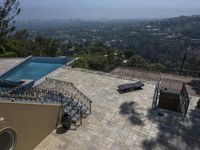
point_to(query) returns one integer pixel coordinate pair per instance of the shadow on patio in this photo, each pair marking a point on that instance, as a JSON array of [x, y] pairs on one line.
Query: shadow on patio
[[61, 130], [195, 84], [174, 133], [130, 109]]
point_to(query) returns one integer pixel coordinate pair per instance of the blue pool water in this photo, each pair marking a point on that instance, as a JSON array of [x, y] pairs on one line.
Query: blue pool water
[[33, 69]]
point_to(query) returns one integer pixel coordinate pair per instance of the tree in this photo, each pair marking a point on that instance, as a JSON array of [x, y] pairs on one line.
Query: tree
[[9, 9], [157, 67], [90, 61], [21, 35], [47, 46], [137, 61]]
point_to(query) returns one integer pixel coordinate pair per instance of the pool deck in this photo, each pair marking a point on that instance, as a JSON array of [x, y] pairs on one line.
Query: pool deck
[[122, 121], [172, 82], [7, 63]]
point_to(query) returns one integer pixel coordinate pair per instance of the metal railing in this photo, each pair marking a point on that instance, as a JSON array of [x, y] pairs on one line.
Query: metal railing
[[185, 72], [32, 95], [156, 96], [184, 101], [67, 89], [41, 95]]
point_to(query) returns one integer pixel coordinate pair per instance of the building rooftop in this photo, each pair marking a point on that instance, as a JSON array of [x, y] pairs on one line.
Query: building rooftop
[[122, 121]]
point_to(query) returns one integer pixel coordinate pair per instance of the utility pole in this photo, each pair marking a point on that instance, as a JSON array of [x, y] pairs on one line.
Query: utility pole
[[184, 58], [187, 45]]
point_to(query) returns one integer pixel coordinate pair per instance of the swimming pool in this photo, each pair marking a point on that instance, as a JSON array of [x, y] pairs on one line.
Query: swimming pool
[[34, 68]]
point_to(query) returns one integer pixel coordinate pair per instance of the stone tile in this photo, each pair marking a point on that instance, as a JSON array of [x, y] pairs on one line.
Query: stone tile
[[7, 63], [108, 128], [110, 125], [130, 141], [103, 143], [117, 146]]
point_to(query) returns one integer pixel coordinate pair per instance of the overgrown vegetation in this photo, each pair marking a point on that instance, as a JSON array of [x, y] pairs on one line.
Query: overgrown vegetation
[[18, 45], [102, 58], [151, 45], [161, 41]]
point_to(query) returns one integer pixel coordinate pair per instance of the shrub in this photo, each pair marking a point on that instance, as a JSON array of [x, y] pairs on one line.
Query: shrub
[[8, 55], [157, 67], [80, 63], [137, 61], [93, 62]]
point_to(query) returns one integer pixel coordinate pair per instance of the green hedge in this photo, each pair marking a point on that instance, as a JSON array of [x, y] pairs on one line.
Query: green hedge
[[93, 62], [8, 55]]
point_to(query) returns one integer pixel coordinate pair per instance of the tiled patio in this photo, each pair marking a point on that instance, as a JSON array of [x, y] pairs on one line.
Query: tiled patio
[[172, 82], [7, 63], [122, 121]]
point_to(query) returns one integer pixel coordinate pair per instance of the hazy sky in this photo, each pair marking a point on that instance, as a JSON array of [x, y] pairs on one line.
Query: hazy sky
[[110, 9]]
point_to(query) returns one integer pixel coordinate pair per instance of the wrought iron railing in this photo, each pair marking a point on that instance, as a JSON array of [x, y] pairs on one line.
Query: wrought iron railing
[[184, 101], [156, 96], [32, 95], [46, 94], [67, 89]]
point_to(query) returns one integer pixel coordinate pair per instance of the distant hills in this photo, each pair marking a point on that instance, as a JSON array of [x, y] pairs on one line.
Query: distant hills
[[157, 40]]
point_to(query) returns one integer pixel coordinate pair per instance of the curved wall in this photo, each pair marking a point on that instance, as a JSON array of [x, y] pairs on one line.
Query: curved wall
[[31, 122]]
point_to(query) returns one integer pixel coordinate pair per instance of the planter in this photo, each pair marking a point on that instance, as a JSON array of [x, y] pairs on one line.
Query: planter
[[66, 121]]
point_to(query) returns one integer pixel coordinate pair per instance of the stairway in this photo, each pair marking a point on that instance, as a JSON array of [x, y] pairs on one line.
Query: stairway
[[75, 110], [73, 101]]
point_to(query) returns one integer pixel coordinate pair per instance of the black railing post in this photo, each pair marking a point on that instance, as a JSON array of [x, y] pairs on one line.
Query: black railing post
[[90, 107], [81, 116]]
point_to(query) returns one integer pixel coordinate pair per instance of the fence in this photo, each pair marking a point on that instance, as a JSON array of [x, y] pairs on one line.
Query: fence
[[156, 96], [184, 101]]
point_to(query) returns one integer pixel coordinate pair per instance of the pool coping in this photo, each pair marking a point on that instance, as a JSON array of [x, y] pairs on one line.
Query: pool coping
[[63, 66], [28, 58]]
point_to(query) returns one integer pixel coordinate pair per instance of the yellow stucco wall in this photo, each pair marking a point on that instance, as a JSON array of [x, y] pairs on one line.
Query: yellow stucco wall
[[31, 122]]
